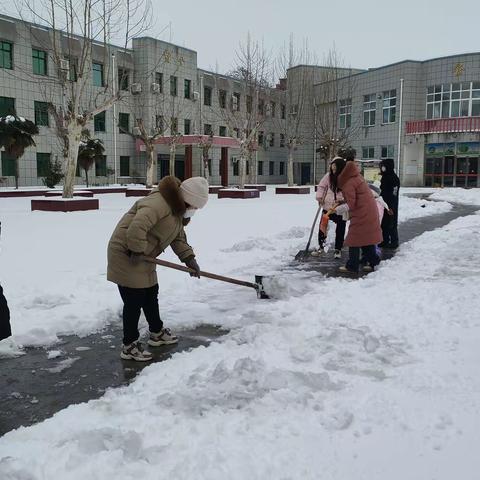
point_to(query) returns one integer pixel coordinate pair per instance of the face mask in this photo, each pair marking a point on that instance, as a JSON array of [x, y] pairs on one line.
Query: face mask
[[383, 169], [189, 213]]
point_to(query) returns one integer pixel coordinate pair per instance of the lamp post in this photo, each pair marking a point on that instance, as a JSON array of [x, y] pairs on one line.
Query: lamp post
[[115, 175]]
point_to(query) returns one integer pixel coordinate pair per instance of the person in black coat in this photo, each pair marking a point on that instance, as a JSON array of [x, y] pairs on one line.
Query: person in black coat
[[5, 330], [389, 191]]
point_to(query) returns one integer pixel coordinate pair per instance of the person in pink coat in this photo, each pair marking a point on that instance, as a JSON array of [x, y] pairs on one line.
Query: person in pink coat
[[328, 196], [364, 231]]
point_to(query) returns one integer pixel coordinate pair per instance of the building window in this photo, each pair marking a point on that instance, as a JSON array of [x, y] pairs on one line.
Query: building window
[[249, 103], [236, 101], [261, 106], [207, 129], [282, 168], [260, 168], [453, 100], [222, 98], [123, 122], [222, 131], [186, 126], [72, 69], [173, 86], [282, 139], [389, 106], [207, 96], [43, 160], [8, 165], [369, 110], [271, 168], [236, 168], [122, 79], [187, 88], [159, 123], [345, 113], [272, 109], [99, 122], [101, 166], [271, 140], [387, 151], [6, 55], [261, 139], [39, 59], [173, 126], [124, 166], [283, 111], [368, 152], [159, 80], [41, 113], [7, 106], [236, 132], [98, 75]]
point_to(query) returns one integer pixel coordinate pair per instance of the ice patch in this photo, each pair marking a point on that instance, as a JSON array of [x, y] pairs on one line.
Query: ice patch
[[63, 365]]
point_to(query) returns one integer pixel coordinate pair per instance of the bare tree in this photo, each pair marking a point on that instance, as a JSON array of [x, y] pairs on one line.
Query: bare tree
[[80, 33]]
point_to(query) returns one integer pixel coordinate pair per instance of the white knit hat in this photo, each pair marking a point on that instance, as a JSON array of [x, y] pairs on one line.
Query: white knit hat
[[195, 191]]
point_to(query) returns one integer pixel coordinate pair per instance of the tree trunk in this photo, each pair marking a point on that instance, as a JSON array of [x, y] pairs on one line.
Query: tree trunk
[[206, 170], [242, 170], [173, 149], [290, 167], [73, 137], [17, 168], [150, 152], [252, 174], [86, 177]]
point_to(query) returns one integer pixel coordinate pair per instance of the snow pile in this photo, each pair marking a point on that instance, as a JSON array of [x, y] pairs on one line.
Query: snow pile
[[416, 208], [459, 195]]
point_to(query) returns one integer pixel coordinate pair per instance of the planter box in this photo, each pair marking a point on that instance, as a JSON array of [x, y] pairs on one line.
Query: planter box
[[22, 193], [108, 190], [292, 190], [137, 192], [238, 193], [215, 189], [65, 205], [80, 193], [260, 188]]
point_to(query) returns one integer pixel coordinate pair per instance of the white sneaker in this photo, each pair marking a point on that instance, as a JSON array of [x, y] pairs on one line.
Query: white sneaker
[[164, 337], [135, 351], [337, 254], [318, 252]]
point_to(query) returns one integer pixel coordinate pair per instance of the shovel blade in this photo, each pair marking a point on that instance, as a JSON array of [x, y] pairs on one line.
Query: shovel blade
[[260, 287]]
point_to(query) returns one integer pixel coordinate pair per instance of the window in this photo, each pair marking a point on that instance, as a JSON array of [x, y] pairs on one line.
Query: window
[[387, 151], [261, 106], [7, 106], [207, 129], [101, 166], [159, 80], [271, 140], [99, 122], [260, 168], [236, 101], [173, 126], [187, 88], [389, 106], [368, 152], [41, 113], [236, 132], [159, 125], [222, 98], [124, 166], [123, 122], [39, 59], [186, 126], [345, 117], [207, 96], [283, 111], [173, 86], [8, 165], [122, 79], [282, 168], [222, 131], [453, 100], [43, 160], [72, 69], [282, 139], [249, 103], [98, 75], [6, 55], [369, 110], [272, 109], [236, 168], [271, 168], [261, 139]]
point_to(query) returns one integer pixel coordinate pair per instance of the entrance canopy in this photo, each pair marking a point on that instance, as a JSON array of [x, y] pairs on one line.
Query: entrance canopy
[[193, 140]]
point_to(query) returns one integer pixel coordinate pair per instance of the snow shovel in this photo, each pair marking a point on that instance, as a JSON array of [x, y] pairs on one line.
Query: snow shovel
[[304, 253], [257, 286]]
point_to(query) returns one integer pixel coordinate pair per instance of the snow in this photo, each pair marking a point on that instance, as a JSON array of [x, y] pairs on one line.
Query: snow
[[459, 195], [336, 378]]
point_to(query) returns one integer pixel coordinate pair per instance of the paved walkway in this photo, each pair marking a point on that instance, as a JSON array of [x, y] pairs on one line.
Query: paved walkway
[[34, 387]]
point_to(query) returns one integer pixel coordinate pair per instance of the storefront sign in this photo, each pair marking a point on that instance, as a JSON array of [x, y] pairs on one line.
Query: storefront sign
[[439, 149], [468, 149]]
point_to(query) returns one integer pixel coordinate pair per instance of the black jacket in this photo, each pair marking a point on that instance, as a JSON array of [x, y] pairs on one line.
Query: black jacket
[[5, 330], [390, 184]]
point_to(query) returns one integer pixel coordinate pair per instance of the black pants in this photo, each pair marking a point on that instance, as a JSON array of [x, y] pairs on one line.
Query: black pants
[[370, 257], [390, 229], [135, 300], [339, 232], [5, 329]]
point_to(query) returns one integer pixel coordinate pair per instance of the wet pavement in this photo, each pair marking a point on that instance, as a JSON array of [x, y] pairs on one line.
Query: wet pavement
[[44, 381]]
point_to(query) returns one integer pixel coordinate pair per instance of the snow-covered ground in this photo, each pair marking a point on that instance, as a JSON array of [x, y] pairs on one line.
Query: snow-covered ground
[[336, 379]]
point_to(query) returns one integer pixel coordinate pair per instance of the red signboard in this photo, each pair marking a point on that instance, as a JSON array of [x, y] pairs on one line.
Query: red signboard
[[443, 125]]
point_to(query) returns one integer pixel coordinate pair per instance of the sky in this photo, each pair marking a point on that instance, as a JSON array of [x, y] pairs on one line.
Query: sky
[[366, 33]]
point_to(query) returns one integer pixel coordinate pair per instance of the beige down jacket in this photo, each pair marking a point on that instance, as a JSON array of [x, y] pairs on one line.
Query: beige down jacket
[[149, 227]]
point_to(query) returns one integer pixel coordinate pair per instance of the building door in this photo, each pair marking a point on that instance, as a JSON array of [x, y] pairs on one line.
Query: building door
[[472, 177], [305, 173]]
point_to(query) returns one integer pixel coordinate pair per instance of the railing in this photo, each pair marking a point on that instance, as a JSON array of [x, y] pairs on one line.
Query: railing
[[443, 125]]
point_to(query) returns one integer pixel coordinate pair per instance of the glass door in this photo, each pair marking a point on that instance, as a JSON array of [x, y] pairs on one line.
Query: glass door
[[472, 177], [448, 171], [461, 172]]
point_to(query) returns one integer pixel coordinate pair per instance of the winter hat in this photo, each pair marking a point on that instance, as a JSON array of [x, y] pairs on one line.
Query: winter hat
[[195, 191]]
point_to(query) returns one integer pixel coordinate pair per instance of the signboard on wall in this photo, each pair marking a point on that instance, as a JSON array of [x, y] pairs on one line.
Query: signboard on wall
[[411, 170], [468, 149], [439, 149]]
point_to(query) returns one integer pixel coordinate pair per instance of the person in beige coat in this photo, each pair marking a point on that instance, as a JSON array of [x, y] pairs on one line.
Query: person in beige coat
[[147, 229]]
